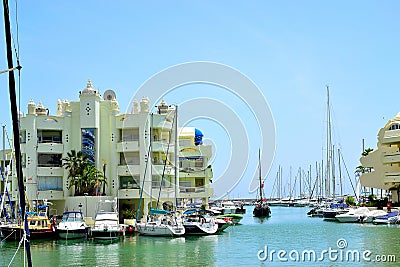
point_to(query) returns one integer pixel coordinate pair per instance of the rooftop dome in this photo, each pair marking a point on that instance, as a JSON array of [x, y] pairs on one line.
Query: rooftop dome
[[89, 90]]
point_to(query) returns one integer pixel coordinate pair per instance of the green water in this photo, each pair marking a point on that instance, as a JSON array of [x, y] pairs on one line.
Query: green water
[[288, 229]]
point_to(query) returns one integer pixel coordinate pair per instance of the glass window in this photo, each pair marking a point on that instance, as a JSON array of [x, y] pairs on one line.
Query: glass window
[[129, 158], [50, 183], [49, 160], [49, 136], [129, 182], [166, 181], [23, 136], [394, 126], [129, 135]]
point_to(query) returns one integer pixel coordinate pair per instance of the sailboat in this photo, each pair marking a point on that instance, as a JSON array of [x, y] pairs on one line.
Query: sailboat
[[261, 209], [163, 222]]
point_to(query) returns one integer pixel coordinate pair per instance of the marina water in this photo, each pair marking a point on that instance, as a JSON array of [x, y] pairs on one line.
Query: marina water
[[248, 244]]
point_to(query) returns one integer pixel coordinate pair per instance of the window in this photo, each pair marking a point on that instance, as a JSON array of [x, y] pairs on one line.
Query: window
[[129, 182], [129, 158], [160, 159], [23, 160], [50, 183], [49, 160], [166, 181], [394, 126], [129, 135], [49, 136], [23, 136]]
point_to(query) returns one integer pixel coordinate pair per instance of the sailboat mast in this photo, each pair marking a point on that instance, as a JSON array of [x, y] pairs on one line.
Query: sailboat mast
[[176, 171], [328, 147], [259, 169], [15, 123]]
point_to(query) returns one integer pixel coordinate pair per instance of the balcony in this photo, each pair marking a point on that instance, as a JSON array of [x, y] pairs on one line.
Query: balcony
[[51, 194], [391, 157], [50, 171], [124, 170], [195, 192], [162, 146], [127, 146], [159, 170], [392, 178], [50, 148], [129, 193], [391, 136]]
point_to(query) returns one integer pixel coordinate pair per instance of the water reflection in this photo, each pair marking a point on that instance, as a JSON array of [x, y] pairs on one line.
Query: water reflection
[[261, 220]]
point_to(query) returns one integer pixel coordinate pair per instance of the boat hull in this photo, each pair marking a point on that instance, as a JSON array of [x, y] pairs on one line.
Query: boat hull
[[72, 234], [106, 234], [16, 234], [330, 215], [197, 229], [262, 211], [160, 230]]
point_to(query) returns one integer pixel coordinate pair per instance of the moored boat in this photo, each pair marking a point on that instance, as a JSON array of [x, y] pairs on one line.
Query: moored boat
[[72, 226], [234, 218], [385, 218], [333, 210], [40, 227], [161, 223], [353, 215], [199, 222], [106, 223]]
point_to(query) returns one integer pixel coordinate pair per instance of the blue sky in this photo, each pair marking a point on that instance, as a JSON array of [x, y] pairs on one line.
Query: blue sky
[[290, 49]]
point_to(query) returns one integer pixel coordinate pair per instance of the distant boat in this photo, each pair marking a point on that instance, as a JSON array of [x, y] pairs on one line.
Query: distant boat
[[261, 208], [229, 209], [72, 226], [385, 218], [106, 222], [353, 215], [333, 210], [234, 218]]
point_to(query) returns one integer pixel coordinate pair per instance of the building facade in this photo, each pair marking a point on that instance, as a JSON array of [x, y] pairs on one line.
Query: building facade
[[382, 166], [134, 151]]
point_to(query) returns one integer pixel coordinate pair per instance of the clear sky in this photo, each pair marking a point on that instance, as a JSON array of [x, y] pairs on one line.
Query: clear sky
[[290, 49]]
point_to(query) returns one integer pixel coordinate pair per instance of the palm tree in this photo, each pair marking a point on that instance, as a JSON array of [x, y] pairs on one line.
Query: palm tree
[[75, 162], [92, 178], [360, 169], [367, 151]]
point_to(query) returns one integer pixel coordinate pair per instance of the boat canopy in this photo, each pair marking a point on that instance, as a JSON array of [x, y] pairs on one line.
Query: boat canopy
[[191, 211], [158, 211]]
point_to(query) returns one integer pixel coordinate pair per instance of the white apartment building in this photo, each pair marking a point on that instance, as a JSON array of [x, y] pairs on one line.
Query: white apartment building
[[383, 164], [134, 151]]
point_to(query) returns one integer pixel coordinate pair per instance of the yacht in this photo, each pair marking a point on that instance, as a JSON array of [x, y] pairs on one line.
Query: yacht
[[72, 226], [106, 222], [199, 222]]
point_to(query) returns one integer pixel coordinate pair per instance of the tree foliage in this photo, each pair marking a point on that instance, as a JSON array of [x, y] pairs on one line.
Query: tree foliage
[[85, 177]]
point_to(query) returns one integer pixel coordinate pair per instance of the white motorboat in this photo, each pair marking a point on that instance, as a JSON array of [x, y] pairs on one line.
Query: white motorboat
[[353, 215], [106, 222], [199, 222], [72, 226]]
